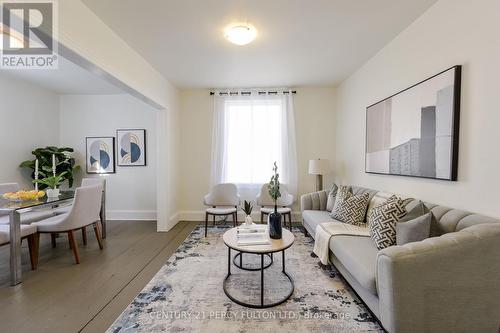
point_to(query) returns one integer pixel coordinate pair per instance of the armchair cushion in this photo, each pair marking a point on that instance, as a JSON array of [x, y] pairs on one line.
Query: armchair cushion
[[221, 210], [281, 210], [26, 230]]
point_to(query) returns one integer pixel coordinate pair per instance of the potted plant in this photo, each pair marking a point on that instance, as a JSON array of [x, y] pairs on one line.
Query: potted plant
[[247, 209], [52, 183], [46, 157], [274, 219]]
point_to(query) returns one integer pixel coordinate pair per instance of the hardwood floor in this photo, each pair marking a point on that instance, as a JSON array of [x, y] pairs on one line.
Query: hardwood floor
[[63, 297]]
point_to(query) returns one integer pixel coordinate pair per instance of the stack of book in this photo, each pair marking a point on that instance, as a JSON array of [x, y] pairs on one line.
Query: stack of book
[[255, 234]]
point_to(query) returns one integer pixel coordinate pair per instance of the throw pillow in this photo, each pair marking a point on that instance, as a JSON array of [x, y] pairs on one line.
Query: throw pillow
[[332, 195], [415, 208], [414, 230], [382, 222], [349, 208]]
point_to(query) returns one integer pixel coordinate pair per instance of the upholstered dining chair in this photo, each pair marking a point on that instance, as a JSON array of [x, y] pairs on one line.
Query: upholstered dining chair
[[84, 212], [266, 203], [223, 200], [29, 232], [102, 212], [26, 217]]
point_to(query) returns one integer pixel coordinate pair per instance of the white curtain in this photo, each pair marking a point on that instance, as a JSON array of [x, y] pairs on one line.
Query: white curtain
[[250, 132]]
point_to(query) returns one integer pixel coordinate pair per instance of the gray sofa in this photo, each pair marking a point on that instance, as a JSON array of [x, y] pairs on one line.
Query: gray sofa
[[449, 282]]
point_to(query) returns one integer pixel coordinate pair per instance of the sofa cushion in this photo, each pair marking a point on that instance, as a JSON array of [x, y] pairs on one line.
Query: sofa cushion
[[350, 208], [312, 218], [414, 230], [332, 195], [359, 256], [383, 219]]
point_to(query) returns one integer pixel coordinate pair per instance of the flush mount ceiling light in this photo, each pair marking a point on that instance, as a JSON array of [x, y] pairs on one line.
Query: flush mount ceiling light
[[240, 34]]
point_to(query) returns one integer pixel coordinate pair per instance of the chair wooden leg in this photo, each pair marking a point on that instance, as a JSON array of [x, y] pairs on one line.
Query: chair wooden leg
[[74, 247], [53, 240], [261, 217], [234, 220], [33, 249], [214, 220], [206, 223], [98, 235], [84, 236], [290, 220]]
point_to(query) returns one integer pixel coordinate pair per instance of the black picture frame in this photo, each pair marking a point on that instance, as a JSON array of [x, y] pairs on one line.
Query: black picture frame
[[118, 148], [112, 155], [455, 126]]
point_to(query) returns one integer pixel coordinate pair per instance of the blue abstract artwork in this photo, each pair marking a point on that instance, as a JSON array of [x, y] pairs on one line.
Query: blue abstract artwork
[[100, 155], [131, 147]]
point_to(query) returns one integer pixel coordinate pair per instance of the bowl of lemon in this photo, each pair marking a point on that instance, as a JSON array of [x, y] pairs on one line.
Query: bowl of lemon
[[24, 195]]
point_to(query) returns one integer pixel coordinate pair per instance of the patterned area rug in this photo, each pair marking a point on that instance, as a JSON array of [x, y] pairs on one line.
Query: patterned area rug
[[186, 295]]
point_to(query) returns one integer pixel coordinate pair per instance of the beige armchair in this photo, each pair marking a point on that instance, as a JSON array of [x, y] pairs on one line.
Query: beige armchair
[[223, 200], [267, 204], [83, 212]]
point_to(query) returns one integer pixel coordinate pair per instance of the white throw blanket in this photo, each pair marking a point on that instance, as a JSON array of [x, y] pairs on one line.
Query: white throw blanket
[[325, 231]]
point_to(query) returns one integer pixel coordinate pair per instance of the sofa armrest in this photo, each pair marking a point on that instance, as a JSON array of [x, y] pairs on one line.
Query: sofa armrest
[[442, 284], [313, 201]]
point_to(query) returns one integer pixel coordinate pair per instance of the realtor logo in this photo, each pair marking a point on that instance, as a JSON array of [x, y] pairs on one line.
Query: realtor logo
[[28, 31]]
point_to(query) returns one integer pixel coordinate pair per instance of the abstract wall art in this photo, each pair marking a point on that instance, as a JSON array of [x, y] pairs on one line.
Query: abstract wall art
[[100, 155], [415, 132], [131, 147]]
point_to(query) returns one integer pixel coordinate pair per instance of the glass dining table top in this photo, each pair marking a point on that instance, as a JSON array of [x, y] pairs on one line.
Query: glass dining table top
[[8, 205]]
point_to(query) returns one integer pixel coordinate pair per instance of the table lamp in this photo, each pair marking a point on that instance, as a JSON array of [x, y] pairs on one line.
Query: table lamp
[[319, 167]]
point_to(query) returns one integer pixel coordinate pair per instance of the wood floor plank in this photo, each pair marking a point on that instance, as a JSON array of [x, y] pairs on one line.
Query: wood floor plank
[[63, 297]]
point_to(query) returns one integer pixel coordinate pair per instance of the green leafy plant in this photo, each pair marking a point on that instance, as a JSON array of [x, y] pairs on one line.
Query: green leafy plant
[[247, 207], [274, 186], [65, 164], [53, 181]]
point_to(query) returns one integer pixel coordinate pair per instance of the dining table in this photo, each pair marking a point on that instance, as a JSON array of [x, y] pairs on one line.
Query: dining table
[[15, 208]]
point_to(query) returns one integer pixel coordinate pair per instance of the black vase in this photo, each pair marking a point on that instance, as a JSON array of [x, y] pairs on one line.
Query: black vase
[[275, 224]]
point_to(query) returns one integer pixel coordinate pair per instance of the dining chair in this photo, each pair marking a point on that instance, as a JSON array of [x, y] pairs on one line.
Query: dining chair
[[266, 203], [27, 217], [223, 200], [102, 212], [29, 232], [84, 212]]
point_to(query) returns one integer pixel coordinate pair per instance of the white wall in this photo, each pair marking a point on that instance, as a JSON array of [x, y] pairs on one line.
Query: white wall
[[131, 191], [315, 130], [451, 32], [29, 119]]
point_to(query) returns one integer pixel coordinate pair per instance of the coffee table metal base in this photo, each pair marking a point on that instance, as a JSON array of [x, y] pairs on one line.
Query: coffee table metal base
[[262, 305], [239, 263]]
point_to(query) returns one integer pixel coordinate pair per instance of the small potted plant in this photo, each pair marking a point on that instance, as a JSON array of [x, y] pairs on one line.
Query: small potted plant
[[274, 219], [247, 209], [52, 184]]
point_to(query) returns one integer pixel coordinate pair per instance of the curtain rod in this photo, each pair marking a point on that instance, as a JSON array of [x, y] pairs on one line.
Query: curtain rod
[[243, 93]]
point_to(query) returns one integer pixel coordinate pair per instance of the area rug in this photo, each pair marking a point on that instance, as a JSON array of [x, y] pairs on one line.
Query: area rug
[[186, 295]]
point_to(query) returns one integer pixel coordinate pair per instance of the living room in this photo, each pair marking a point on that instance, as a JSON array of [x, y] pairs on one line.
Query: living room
[[249, 166]]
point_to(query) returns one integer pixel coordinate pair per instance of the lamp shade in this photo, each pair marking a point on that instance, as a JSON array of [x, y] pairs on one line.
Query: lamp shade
[[319, 167]]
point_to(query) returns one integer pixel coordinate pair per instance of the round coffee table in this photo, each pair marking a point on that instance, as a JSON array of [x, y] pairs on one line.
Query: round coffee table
[[276, 245]]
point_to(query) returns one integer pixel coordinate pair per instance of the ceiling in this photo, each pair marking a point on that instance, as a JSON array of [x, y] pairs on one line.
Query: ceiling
[[69, 78], [299, 42]]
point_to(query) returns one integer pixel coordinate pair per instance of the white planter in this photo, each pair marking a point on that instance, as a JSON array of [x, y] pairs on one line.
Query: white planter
[[248, 220], [52, 192]]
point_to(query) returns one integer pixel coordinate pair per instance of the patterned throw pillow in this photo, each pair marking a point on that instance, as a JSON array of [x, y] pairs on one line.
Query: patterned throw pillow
[[350, 208], [332, 195], [382, 222]]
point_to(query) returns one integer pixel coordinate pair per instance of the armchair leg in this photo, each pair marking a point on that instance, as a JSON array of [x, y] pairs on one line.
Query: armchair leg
[[74, 247], [84, 236], [98, 235], [53, 240], [33, 243], [206, 223], [261, 217]]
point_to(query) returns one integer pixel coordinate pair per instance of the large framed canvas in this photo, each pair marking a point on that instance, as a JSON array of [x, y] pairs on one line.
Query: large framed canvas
[[100, 156], [131, 147], [415, 132]]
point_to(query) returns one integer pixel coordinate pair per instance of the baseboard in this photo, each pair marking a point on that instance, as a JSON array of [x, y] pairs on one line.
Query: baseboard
[[199, 216], [136, 215]]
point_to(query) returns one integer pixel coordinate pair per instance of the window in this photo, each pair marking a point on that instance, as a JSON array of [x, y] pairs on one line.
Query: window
[[254, 142], [250, 133]]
